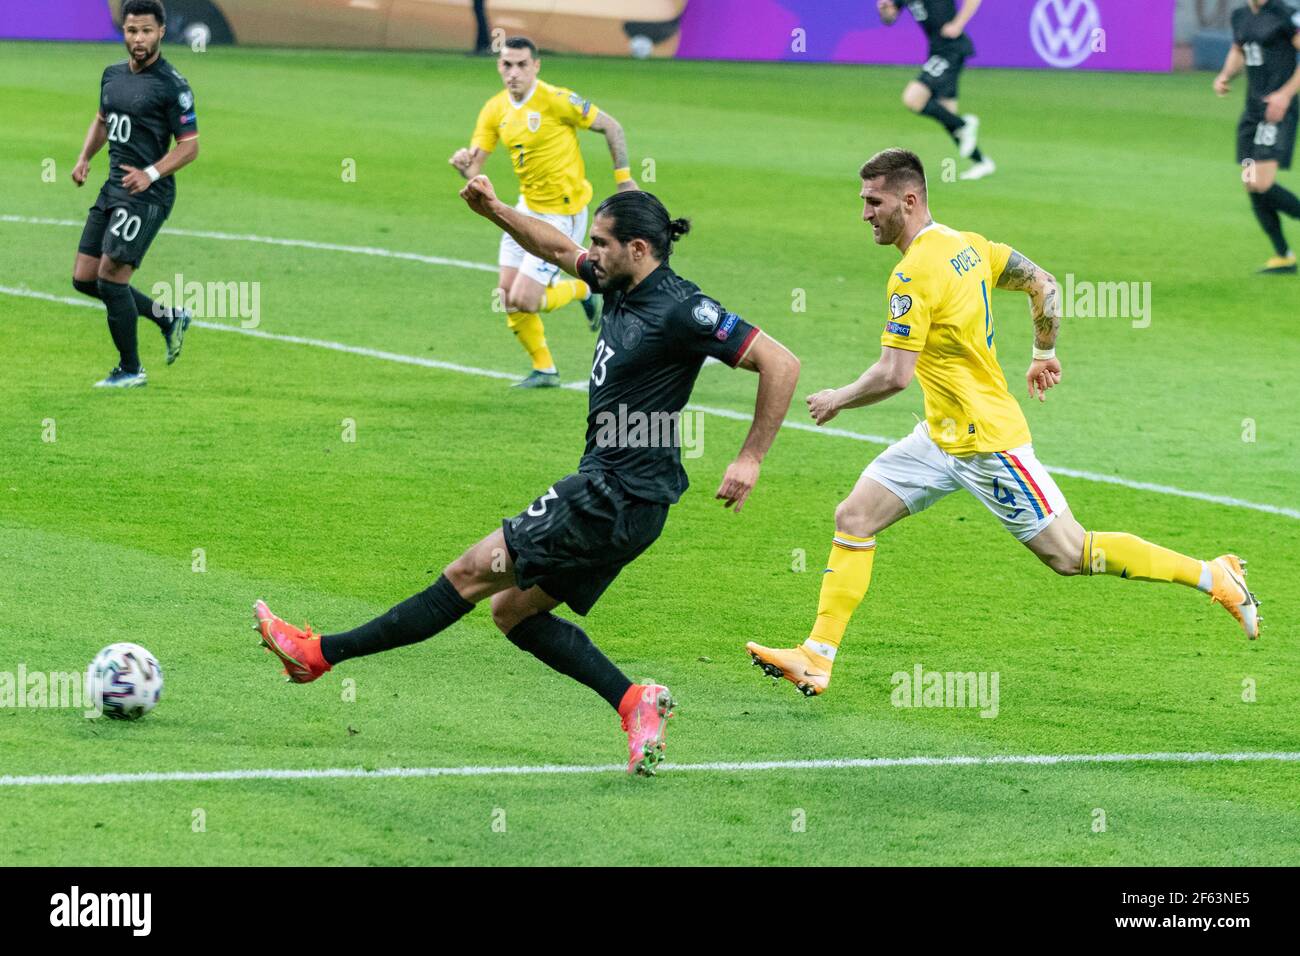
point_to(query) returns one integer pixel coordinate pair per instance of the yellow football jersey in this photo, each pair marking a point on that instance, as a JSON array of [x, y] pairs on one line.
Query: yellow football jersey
[[939, 305], [541, 134]]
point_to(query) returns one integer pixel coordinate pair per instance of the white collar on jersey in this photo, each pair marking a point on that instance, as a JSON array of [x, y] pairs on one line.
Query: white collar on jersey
[[933, 225], [518, 103]]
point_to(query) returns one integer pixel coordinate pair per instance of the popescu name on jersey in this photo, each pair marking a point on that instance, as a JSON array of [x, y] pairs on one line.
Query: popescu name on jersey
[[965, 260]]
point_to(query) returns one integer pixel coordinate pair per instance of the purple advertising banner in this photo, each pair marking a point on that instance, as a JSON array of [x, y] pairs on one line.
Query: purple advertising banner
[[58, 20], [1045, 34]]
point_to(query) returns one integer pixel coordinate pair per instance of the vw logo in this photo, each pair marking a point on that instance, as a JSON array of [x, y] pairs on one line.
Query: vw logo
[[1061, 30]]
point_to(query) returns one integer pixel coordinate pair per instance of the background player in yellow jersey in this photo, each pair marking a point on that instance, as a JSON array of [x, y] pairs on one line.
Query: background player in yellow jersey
[[538, 123], [940, 328]]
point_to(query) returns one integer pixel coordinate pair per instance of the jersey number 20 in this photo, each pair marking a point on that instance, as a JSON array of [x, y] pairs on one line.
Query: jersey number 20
[[124, 225], [119, 127]]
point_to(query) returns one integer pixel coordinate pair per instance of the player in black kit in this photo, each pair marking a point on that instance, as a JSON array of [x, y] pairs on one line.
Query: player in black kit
[[1265, 38], [570, 544], [934, 91], [143, 103]]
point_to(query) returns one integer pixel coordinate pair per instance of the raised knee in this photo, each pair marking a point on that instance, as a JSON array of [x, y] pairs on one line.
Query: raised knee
[[850, 518], [504, 616], [88, 287], [521, 302], [465, 571]]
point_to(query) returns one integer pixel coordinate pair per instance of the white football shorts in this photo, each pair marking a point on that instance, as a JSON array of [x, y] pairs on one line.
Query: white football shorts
[[1012, 484], [539, 270]]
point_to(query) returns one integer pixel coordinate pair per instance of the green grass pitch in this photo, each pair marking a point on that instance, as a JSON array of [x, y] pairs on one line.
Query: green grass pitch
[[238, 450]]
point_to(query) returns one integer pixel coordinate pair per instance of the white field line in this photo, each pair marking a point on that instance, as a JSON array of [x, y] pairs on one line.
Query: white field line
[[271, 241], [575, 386], [865, 763]]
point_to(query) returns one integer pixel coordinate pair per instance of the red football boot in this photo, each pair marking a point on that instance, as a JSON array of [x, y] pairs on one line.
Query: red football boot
[[298, 649]]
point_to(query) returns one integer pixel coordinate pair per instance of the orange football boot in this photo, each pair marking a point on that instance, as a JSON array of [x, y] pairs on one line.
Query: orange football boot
[[1228, 587], [298, 649], [808, 673]]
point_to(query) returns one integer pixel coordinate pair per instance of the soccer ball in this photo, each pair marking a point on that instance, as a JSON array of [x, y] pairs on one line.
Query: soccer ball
[[641, 46], [124, 681]]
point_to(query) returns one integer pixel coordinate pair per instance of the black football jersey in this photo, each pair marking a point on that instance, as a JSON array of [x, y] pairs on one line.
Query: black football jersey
[[931, 15], [652, 343], [1267, 39], [143, 111]]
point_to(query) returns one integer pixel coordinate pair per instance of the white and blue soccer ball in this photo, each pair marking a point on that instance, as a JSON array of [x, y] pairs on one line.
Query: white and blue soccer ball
[[641, 46], [124, 681]]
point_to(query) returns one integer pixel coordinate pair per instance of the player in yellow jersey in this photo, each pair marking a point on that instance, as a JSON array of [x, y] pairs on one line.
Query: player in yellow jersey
[[940, 328], [538, 124]]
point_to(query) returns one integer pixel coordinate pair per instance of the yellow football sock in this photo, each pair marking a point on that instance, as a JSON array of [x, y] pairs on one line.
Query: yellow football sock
[[531, 334], [562, 293], [844, 584], [1128, 556]]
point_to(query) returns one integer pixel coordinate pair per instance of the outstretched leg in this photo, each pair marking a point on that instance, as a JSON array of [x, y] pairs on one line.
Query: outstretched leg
[[1068, 549], [480, 572]]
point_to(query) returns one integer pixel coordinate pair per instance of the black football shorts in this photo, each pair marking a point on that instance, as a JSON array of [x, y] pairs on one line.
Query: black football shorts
[[1264, 142], [122, 229], [942, 70], [575, 539]]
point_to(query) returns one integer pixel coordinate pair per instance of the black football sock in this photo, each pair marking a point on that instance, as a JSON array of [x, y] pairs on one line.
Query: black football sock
[[1283, 200], [417, 618], [121, 322], [147, 309], [975, 155], [947, 119], [563, 646], [1269, 221], [88, 287]]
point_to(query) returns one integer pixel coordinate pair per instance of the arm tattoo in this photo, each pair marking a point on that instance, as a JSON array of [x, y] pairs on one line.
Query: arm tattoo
[[1019, 274], [1047, 319], [615, 136], [1022, 275]]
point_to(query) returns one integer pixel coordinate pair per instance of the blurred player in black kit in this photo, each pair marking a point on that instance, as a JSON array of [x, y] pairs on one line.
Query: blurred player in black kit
[[1265, 38], [143, 103], [934, 91]]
